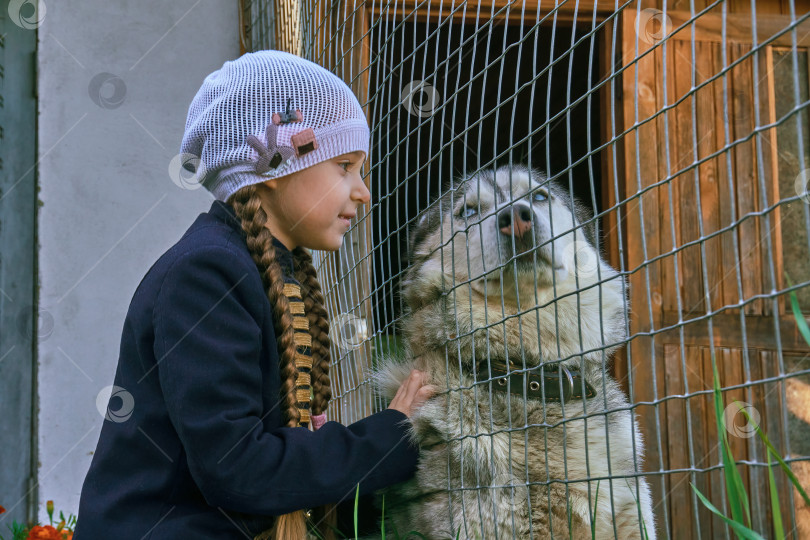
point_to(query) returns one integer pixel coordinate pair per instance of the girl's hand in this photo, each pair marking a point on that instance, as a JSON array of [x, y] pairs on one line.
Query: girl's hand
[[412, 394]]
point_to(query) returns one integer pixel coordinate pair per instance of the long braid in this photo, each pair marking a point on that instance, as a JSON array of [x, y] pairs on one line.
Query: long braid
[[325, 516], [247, 206], [319, 328]]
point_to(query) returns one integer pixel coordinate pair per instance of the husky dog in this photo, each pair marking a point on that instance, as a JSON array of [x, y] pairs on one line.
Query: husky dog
[[513, 314]]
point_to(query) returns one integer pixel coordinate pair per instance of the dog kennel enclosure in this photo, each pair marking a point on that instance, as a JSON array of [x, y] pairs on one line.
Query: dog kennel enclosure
[[683, 126]]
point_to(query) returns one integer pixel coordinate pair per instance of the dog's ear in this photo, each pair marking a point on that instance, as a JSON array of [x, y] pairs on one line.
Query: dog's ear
[[408, 290], [415, 296], [418, 230], [590, 226]]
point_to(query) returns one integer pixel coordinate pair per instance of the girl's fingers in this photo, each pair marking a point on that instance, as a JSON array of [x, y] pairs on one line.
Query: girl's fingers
[[426, 392], [412, 393], [398, 396], [399, 391], [415, 383]]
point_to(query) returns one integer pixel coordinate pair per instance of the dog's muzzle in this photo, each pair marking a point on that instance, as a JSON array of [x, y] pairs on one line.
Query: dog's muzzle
[[546, 382], [516, 221]]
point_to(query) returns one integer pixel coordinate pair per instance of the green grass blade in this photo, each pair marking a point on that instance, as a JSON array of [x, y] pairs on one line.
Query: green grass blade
[[785, 467], [797, 313], [638, 504], [316, 532], [778, 529], [383, 517], [741, 530], [593, 519], [570, 522], [800, 321], [737, 496], [18, 531], [337, 531], [356, 503]]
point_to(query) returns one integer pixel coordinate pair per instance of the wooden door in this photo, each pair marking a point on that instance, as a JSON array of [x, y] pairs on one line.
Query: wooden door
[[714, 222]]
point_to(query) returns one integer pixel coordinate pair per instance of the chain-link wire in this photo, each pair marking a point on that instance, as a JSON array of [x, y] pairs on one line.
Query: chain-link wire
[[683, 133]]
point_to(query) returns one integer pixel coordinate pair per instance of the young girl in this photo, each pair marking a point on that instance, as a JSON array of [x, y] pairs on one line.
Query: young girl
[[216, 425]]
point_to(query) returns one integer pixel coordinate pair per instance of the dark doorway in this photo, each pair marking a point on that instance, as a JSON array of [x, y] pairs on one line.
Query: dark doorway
[[501, 94]]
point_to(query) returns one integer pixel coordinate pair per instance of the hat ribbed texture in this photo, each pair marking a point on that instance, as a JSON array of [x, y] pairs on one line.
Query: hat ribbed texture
[[239, 100]]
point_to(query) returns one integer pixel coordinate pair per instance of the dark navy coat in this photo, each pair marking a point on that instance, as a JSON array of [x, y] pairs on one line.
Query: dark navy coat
[[193, 444]]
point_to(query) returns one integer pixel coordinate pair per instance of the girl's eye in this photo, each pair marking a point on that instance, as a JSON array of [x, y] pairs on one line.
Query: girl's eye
[[346, 163], [467, 211], [540, 195]]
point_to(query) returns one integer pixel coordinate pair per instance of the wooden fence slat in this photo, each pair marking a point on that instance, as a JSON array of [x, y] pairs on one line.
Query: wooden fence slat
[[707, 142], [679, 500]]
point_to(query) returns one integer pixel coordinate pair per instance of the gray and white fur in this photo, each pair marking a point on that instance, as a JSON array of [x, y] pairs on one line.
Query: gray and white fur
[[505, 265]]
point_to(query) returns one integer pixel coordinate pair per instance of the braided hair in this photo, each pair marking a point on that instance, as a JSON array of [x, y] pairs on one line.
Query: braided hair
[[246, 203]]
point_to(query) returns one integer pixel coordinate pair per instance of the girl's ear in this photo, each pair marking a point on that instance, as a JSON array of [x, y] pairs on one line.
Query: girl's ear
[[272, 183]]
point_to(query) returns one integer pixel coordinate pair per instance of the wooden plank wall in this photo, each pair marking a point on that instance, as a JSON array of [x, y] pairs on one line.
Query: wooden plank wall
[[684, 203]]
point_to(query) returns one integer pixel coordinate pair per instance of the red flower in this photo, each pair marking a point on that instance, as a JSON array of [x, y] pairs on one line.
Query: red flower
[[2, 509], [48, 533], [44, 533]]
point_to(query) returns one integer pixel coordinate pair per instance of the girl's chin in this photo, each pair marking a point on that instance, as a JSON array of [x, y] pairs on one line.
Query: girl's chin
[[330, 245]]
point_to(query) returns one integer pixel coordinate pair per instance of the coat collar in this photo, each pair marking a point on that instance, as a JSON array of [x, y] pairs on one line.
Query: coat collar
[[225, 213]]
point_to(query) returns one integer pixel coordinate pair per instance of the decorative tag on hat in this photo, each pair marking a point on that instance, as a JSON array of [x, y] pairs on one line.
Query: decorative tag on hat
[[288, 116], [273, 159], [304, 142]]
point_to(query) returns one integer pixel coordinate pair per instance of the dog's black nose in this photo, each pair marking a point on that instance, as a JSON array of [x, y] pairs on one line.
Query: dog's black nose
[[515, 220]]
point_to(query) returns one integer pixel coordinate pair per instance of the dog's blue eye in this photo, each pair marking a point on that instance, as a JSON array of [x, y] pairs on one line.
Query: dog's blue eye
[[468, 212], [540, 196]]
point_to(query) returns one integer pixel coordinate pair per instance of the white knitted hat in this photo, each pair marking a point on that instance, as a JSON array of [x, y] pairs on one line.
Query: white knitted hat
[[268, 114]]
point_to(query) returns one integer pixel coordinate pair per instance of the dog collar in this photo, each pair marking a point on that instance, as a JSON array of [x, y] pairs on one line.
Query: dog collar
[[551, 382]]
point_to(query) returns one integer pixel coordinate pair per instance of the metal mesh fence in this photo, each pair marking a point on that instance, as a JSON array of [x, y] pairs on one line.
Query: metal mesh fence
[[683, 131]]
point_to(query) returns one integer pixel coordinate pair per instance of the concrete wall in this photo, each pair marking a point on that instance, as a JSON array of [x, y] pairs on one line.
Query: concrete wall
[[18, 196], [115, 82]]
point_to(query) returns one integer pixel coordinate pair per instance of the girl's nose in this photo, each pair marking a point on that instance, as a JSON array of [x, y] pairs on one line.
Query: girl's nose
[[361, 192]]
